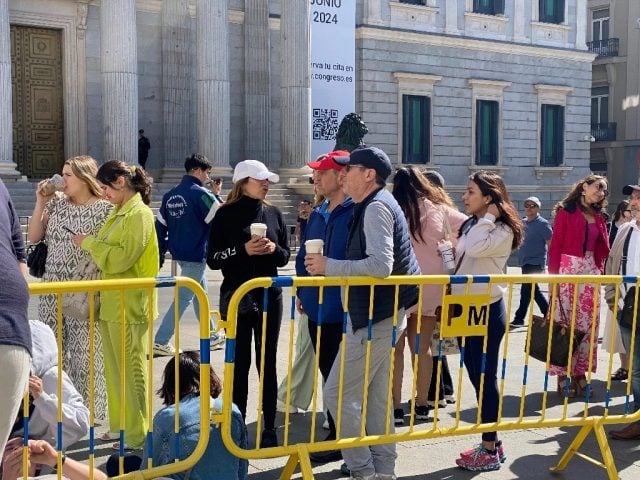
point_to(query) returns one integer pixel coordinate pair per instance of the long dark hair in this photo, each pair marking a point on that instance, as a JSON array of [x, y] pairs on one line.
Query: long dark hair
[[623, 206], [410, 187], [135, 176], [572, 200], [492, 185], [189, 373]]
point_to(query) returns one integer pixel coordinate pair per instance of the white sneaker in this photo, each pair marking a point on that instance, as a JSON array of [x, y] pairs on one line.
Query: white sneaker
[[281, 407], [164, 350], [217, 339], [385, 476], [360, 476]]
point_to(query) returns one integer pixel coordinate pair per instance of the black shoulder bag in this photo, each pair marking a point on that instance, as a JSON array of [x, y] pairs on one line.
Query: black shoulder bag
[[37, 258]]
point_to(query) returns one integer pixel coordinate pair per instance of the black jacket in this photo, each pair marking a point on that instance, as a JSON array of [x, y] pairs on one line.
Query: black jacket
[[229, 233]]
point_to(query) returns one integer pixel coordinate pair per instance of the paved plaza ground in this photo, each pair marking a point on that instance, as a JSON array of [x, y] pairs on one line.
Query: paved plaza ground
[[531, 453]]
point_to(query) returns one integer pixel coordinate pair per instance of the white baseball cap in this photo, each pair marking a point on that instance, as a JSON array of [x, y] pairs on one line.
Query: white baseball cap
[[535, 200], [253, 169]]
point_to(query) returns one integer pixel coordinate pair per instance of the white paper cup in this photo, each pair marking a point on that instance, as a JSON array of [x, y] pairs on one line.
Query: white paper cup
[[258, 230], [314, 246]]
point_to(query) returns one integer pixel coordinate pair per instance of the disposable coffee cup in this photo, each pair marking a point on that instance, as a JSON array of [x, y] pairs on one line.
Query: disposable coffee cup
[[54, 184], [448, 257], [314, 246], [258, 230]]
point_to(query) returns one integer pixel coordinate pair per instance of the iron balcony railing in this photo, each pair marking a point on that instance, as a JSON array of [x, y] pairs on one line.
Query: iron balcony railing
[[603, 132], [604, 48]]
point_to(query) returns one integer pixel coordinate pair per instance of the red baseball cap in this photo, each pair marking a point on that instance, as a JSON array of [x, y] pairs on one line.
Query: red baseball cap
[[328, 161]]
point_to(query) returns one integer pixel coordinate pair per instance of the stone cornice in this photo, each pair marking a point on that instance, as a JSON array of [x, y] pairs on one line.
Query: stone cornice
[[377, 33]]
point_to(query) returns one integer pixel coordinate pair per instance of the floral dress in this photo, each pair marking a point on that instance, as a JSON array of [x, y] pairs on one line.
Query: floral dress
[[62, 259]]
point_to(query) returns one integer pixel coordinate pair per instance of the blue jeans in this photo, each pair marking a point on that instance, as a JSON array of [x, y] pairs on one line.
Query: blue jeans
[[193, 270], [625, 333]]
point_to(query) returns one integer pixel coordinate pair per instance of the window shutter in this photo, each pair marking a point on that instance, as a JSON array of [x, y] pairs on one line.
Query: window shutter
[[498, 8]]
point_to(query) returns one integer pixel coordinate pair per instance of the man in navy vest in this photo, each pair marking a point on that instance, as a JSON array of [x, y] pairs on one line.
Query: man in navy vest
[[182, 226], [378, 245]]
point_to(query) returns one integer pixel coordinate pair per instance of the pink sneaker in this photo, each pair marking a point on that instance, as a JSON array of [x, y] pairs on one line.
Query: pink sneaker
[[480, 460], [502, 456]]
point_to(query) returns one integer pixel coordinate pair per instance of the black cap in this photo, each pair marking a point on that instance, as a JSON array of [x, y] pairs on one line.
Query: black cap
[[630, 188], [368, 157]]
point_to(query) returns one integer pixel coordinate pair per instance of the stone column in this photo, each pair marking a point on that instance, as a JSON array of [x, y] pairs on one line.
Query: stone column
[[177, 78], [374, 12], [295, 126], [257, 80], [581, 24], [451, 17], [119, 60], [519, 34], [7, 167], [212, 80]]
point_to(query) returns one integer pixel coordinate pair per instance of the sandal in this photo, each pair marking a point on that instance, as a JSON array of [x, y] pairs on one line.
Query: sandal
[[562, 387], [582, 386], [109, 436], [620, 375]]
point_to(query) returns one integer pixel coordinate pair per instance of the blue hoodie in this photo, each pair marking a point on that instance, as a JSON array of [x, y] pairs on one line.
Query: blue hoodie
[[333, 228], [184, 220]]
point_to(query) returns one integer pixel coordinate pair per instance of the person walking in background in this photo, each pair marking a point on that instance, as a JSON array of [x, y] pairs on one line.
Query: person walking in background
[[623, 260], [144, 145], [622, 215], [532, 257], [216, 189], [328, 222], [126, 247], [15, 342], [432, 217], [378, 245], [183, 224], [242, 256], [579, 246], [485, 242], [56, 217]]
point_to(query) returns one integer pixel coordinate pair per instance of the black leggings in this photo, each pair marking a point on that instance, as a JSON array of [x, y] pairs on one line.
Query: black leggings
[[250, 327], [330, 338]]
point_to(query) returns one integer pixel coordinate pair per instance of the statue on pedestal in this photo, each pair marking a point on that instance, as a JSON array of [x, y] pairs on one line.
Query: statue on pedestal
[[350, 133]]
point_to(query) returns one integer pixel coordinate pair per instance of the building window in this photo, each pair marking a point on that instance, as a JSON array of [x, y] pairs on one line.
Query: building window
[[600, 25], [487, 126], [414, 2], [552, 135], [599, 105], [488, 7], [416, 128], [552, 11]]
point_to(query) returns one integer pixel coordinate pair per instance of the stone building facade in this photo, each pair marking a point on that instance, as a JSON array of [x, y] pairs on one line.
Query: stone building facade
[[455, 85], [613, 33]]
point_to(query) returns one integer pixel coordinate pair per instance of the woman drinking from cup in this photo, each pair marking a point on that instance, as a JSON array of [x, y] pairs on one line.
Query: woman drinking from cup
[[248, 240]]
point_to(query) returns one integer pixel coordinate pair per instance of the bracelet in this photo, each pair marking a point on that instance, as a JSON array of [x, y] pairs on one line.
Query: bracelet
[[62, 460]]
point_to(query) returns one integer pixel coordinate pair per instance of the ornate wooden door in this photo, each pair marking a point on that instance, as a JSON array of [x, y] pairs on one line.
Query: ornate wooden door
[[36, 81]]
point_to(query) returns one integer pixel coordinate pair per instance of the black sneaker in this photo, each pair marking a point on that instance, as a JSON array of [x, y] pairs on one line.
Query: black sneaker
[[269, 438], [398, 416], [422, 412], [344, 470], [516, 324]]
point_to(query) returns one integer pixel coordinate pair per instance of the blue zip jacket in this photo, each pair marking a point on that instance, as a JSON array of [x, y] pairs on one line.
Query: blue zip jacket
[[184, 220], [334, 232]]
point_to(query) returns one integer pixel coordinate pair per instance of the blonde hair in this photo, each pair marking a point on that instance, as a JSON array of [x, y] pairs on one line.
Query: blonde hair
[[85, 168]]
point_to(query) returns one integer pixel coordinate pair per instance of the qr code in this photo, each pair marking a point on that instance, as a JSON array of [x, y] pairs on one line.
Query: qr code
[[325, 123]]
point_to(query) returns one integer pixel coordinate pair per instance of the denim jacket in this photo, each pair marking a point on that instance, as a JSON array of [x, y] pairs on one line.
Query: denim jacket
[[216, 462]]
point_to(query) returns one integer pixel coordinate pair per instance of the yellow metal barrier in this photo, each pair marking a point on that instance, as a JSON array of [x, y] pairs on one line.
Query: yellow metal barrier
[[60, 288], [525, 404]]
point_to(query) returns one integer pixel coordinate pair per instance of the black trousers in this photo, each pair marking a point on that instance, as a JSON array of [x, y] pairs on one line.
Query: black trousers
[[250, 327], [446, 383], [330, 338], [525, 295]]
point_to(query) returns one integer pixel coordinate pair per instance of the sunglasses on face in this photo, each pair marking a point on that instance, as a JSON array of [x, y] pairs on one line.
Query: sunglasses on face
[[530, 205], [602, 187]]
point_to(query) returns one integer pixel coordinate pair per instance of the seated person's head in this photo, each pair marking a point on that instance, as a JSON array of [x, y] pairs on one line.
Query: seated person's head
[[189, 374]]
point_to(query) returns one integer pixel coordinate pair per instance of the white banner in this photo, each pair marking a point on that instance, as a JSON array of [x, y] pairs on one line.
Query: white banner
[[333, 56]]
